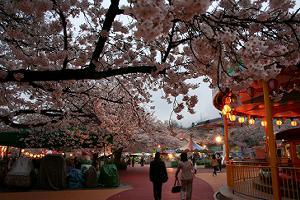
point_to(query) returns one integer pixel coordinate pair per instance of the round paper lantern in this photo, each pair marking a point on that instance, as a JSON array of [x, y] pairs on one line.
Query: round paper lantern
[[241, 119], [293, 123], [232, 118], [279, 122], [251, 121], [263, 123]]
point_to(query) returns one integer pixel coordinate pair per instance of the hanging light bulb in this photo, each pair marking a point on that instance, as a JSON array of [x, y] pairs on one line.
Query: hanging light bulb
[[232, 117], [251, 121], [263, 123], [223, 112], [226, 109], [293, 123], [241, 120], [279, 122]]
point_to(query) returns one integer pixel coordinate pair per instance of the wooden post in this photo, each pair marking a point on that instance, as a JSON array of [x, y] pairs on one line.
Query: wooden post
[[271, 143], [228, 164]]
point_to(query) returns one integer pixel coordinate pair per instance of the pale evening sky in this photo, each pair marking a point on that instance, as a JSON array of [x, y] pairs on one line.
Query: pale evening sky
[[204, 110]]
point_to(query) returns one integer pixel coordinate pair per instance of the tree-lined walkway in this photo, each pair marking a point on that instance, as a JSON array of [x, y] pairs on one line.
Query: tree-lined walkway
[[138, 178]]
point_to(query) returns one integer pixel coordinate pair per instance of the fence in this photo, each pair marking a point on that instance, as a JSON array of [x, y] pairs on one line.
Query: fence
[[254, 179]]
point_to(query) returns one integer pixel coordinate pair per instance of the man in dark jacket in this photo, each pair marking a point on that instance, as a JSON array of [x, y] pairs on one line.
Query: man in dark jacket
[[158, 175]]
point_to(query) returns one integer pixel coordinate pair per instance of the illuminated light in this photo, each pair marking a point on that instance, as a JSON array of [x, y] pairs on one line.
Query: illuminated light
[[62, 153], [158, 146], [170, 156], [263, 123], [293, 123], [279, 122], [31, 155], [22, 150], [71, 154], [218, 139], [224, 112], [251, 121], [34, 156], [226, 109], [241, 120], [204, 146], [232, 117]]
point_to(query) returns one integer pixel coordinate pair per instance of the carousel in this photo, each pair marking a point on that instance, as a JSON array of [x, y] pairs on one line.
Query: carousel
[[275, 103]]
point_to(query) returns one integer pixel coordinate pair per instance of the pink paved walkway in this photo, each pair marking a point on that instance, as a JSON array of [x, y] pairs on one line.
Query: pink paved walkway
[[138, 178]]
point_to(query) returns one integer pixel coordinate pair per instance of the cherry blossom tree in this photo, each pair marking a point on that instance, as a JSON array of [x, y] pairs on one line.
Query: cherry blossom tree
[[67, 63]]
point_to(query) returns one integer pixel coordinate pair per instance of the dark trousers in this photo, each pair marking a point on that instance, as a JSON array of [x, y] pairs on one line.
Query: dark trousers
[[215, 170], [157, 190]]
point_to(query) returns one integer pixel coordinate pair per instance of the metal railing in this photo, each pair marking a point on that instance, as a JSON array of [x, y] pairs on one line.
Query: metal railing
[[254, 179]]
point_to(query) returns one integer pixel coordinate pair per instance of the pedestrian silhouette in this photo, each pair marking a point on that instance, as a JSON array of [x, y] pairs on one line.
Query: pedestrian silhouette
[[158, 175], [214, 164], [187, 175]]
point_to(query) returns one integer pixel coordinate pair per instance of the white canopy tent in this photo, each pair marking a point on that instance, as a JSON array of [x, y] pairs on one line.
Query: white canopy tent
[[191, 146]]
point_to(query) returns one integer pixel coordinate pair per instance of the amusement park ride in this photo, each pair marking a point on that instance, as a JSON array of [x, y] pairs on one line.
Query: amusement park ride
[[273, 102]]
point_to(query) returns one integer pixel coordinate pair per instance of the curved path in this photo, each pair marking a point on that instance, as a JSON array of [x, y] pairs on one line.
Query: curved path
[[138, 178]]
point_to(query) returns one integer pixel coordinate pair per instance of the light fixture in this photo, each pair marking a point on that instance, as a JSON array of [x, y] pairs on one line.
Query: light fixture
[[241, 120], [226, 109], [279, 122], [263, 123], [218, 139], [251, 121], [293, 123], [232, 117]]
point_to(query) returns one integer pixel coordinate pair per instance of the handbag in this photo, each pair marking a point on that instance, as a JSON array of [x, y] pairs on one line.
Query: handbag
[[176, 187]]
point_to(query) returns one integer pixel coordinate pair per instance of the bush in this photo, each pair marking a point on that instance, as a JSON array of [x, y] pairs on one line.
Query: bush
[[174, 164], [205, 162]]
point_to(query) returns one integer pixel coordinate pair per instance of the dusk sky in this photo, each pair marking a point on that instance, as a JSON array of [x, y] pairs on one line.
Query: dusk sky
[[204, 109]]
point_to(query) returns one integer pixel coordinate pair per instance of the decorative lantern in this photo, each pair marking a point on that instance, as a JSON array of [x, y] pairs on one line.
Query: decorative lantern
[[251, 121], [293, 123], [263, 123], [241, 120], [232, 117], [226, 109], [279, 122]]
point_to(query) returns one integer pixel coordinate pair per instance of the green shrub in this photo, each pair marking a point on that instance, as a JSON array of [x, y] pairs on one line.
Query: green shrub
[[174, 164], [205, 162]]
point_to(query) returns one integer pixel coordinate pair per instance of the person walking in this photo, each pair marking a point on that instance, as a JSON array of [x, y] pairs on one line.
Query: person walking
[[219, 159], [158, 175], [142, 160], [214, 164], [132, 161], [187, 175]]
